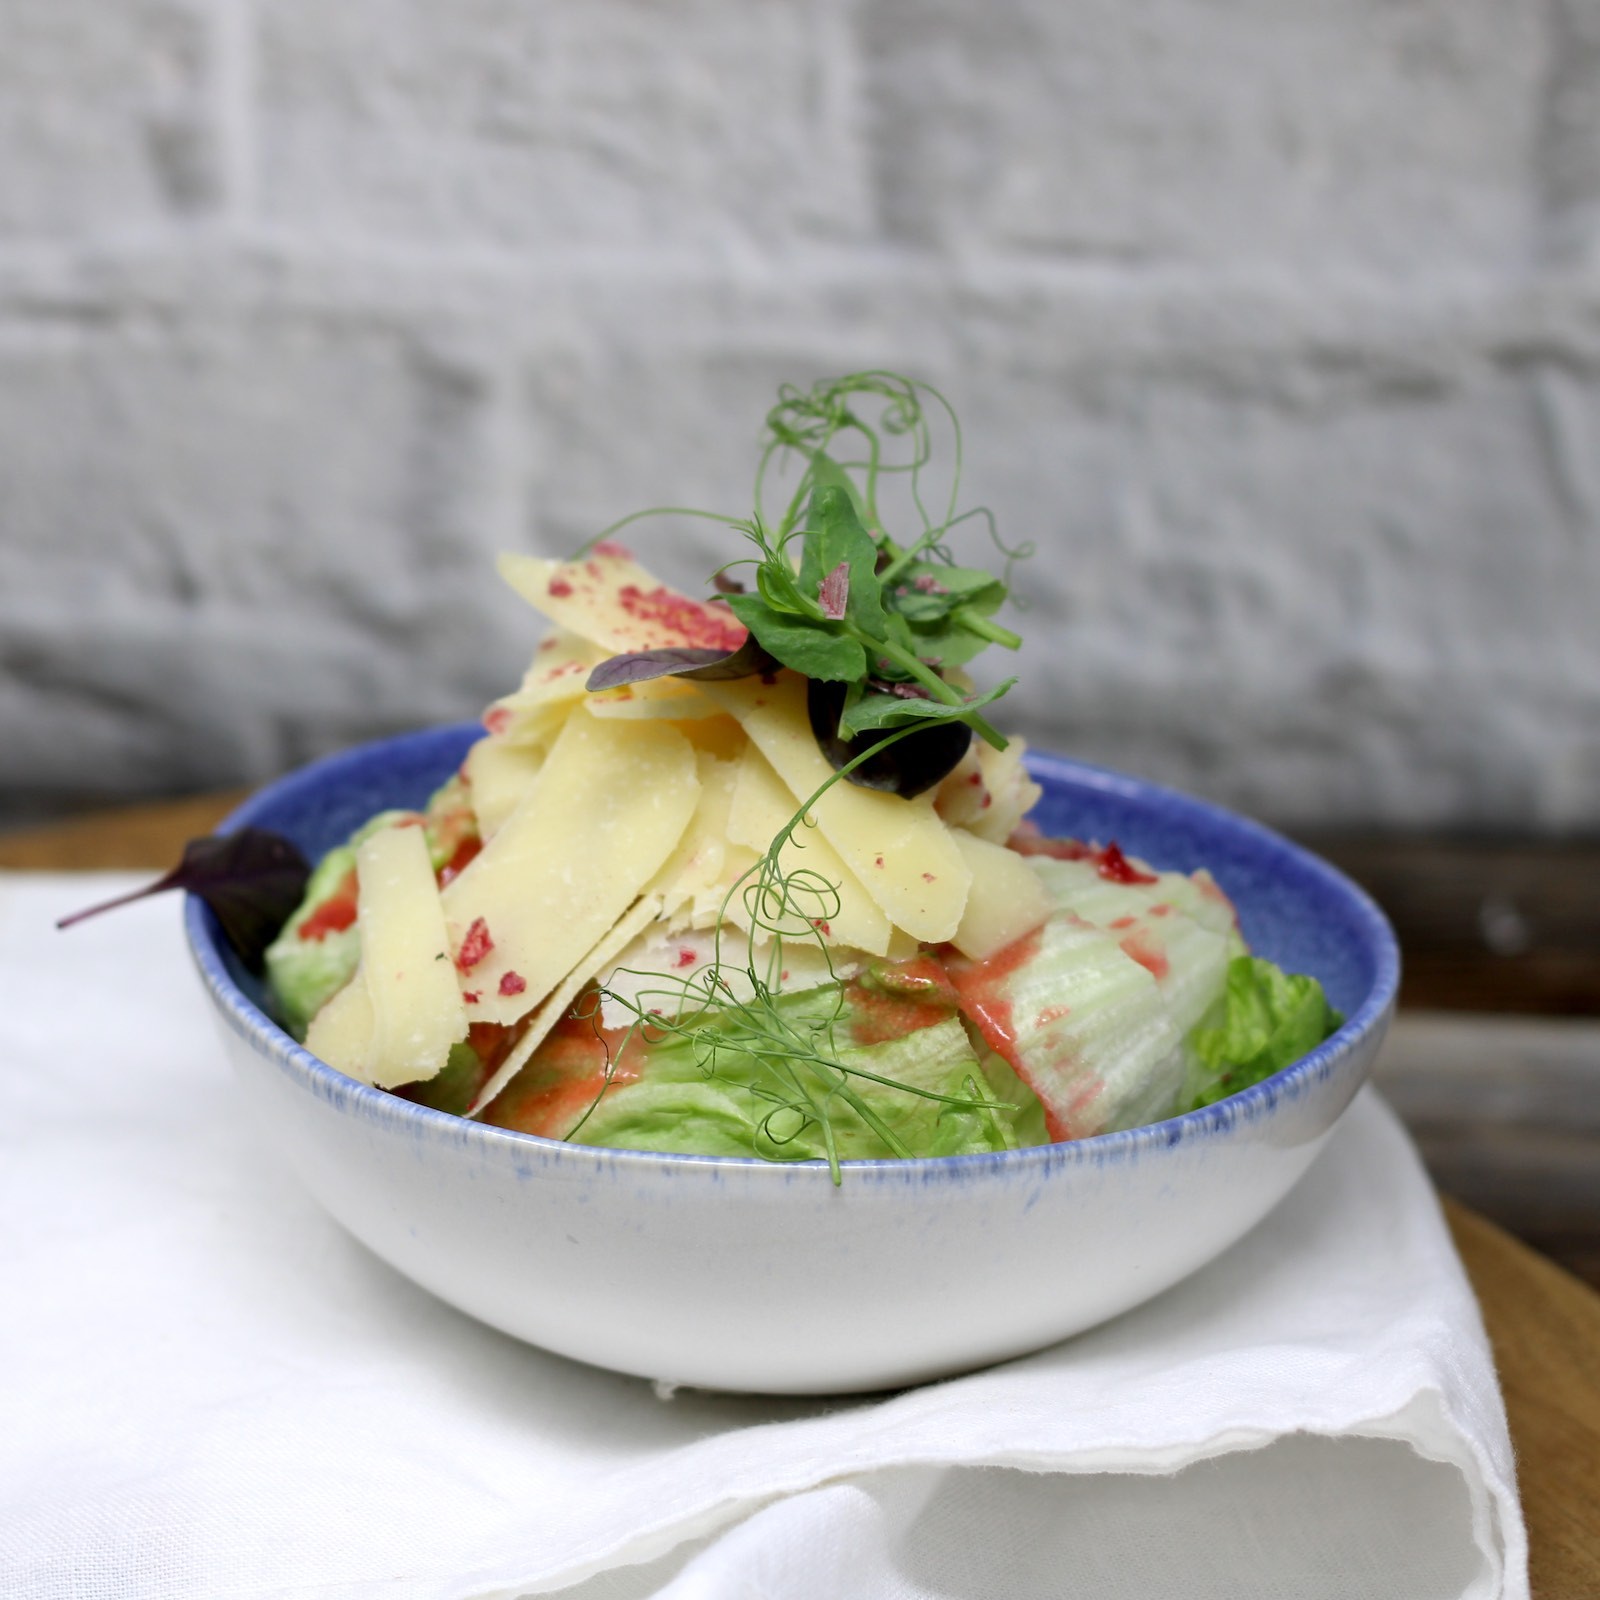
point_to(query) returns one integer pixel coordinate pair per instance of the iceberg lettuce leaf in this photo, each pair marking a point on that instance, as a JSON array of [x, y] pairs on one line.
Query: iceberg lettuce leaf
[[746, 1109], [1266, 1019]]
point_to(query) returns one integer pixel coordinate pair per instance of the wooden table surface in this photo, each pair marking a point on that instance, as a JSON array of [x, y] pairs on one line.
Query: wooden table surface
[[1543, 1322]]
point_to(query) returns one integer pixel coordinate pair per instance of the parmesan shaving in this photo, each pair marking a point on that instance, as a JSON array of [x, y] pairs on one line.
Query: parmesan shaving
[[610, 600], [696, 866], [655, 697], [900, 850], [499, 773], [1006, 901], [606, 810], [644, 912], [762, 808], [555, 677], [341, 1032], [417, 1012]]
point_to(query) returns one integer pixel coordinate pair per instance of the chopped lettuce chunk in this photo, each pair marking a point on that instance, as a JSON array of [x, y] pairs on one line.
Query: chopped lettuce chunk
[[1266, 1019], [749, 1105], [306, 970]]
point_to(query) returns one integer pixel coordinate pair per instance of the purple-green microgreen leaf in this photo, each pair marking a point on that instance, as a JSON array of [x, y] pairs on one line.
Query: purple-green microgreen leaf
[[251, 879], [673, 661]]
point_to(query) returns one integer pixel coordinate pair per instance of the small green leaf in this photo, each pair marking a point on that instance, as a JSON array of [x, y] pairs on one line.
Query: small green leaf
[[835, 537], [776, 585], [953, 640], [912, 764], [927, 591], [812, 648], [875, 711], [826, 473]]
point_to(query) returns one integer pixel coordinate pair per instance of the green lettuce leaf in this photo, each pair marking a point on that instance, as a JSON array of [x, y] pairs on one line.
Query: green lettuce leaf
[[1266, 1019], [674, 1106]]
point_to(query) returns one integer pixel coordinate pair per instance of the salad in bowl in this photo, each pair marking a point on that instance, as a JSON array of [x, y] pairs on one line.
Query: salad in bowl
[[736, 1005], [752, 874]]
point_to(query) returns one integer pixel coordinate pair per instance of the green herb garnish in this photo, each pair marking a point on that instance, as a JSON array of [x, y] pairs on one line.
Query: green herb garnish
[[890, 625]]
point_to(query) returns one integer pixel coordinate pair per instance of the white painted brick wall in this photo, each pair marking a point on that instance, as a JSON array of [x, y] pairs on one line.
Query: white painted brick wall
[[1276, 327]]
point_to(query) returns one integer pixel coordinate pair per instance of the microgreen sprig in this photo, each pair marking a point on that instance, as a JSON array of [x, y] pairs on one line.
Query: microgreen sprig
[[835, 598]]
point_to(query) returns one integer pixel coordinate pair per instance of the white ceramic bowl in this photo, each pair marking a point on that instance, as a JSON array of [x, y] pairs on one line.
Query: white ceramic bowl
[[747, 1275]]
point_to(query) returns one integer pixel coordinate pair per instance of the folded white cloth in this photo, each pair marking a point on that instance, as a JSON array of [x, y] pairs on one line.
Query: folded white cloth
[[209, 1390]]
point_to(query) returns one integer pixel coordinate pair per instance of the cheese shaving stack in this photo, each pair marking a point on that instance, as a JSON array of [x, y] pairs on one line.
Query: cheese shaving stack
[[615, 822]]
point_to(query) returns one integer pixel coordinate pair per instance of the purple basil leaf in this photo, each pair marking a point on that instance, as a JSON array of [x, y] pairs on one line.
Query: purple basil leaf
[[251, 879], [676, 661], [833, 593], [908, 767]]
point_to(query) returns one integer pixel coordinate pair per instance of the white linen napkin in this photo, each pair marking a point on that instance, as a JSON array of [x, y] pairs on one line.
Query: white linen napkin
[[209, 1390]]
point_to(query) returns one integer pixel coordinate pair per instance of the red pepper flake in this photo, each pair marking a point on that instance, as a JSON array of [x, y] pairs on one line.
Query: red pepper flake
[[497, 719], [471, 996], [475, 946], [560, 588], [686, 957], [822, 927], [975, 779], [1122, 922], [617, 552], [679, 620], [512, 983], [334, 915], [928, 877], [878, 861]]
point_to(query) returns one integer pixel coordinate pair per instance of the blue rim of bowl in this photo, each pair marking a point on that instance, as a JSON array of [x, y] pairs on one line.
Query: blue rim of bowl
[[1249, 1106]]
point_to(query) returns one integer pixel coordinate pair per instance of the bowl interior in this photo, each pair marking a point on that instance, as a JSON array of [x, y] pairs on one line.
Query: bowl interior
[[1294, 908]]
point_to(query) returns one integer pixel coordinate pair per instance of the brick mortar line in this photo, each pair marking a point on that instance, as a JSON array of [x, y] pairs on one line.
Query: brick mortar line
[[135, 262]]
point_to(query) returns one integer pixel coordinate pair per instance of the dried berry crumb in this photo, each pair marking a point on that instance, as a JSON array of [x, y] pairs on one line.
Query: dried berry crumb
[[475, 946]]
